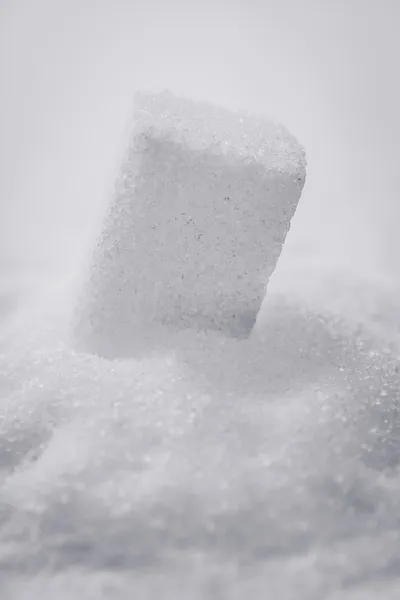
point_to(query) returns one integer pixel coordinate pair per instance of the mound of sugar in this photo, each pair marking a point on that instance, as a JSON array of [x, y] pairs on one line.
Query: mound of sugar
[[200, 212], [231, 467]]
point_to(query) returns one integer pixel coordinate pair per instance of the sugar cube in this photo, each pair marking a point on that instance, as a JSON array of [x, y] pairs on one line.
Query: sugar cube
[[199, 215]]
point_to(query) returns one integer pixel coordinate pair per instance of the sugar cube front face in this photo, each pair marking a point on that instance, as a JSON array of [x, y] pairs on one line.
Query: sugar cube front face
[[198, 219]]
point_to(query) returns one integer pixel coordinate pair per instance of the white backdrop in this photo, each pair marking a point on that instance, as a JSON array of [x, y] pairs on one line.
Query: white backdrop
[[68, 70]]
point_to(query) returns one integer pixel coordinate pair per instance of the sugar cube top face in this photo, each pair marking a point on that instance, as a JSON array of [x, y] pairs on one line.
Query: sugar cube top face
[[207, 128], [200, 212]]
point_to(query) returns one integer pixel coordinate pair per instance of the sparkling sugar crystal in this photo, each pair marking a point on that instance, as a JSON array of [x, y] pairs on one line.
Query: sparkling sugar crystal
[[199, 215]]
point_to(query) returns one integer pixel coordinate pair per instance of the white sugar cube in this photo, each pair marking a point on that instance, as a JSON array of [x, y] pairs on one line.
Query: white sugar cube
[[198, 219]]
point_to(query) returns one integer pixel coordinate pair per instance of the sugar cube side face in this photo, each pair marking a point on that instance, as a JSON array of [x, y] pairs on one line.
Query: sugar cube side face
[[194, 230]]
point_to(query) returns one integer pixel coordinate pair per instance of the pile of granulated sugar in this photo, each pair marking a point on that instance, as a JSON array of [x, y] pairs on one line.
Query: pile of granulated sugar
[[219, 465]]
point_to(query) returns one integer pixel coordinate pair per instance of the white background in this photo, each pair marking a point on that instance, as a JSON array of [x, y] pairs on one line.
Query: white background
[[328, 70]]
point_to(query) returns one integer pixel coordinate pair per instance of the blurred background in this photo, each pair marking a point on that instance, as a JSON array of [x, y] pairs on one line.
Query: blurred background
[[327, 70]]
